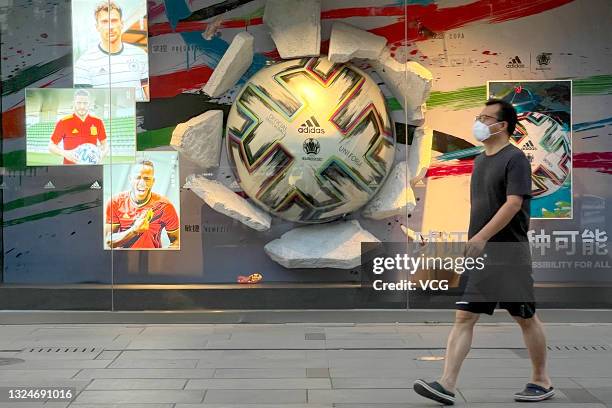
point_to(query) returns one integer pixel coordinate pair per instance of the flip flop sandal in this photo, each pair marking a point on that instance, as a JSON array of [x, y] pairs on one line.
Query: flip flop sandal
[[252, 278], [434, 391], [534, 393]]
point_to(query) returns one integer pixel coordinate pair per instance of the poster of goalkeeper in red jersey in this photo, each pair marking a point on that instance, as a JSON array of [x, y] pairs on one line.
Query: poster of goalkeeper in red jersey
[[142, 203]]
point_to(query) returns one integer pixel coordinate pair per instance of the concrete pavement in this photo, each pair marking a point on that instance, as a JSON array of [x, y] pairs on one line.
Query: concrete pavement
[[294, 365]]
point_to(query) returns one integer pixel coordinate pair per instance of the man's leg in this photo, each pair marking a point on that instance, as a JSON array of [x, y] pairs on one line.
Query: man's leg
[[535, 341], [457, 347]]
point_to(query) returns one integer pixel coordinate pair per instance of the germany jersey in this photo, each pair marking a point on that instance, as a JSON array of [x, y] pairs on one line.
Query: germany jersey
[[74, 132], [128, 68], [122, 211]]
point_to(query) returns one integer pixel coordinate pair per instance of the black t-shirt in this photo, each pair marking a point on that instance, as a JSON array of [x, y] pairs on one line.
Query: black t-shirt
[[494, 177]]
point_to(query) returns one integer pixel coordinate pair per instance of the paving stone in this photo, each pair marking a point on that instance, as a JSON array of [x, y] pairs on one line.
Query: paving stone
[[56, 363], [593, 382], [499, 395], [317, 372], [259, 383], [154, 364], [108, 355], [37, 375], [363, 395], [74, 405], [141, 396], [374, 382], [253, 406], [580, 395], [146, 373], [271, 396], [604, 394], [375, 372], [262, 372], [136, 384]]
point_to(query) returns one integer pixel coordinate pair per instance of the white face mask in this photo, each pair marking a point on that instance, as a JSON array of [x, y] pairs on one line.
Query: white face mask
[[482, 132]]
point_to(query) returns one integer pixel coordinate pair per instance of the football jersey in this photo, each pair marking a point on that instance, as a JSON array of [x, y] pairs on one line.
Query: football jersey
[[123, 211], [74, 132], [124, 69]]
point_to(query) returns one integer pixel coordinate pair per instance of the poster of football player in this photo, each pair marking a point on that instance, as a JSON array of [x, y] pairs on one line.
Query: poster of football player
[[110, 45], [544, 134], [142, 203], [73, 126]]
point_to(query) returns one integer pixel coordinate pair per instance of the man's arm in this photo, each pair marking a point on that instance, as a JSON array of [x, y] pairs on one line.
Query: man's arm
[[117, 239], [81, 74], [173, 236], [502, 217], [170, 220], [56, 137], [518, 176], [145, 90], [103, 150], [67, 154]]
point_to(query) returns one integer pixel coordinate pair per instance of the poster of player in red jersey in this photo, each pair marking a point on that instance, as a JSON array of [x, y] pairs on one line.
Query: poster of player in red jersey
[[142, 203], [73, 126]]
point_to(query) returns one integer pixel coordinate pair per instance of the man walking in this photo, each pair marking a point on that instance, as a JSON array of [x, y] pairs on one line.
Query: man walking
[[500, 195]]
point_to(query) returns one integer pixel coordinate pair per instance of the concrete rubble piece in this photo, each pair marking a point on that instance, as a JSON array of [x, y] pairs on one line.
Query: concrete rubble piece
[[223, 200], [295, 27], [234, 63], [332, 245], [395, 196], [200, 139], [409, 82], [347, 42]]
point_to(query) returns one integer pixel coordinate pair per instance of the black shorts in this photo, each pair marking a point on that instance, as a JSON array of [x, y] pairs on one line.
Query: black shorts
[[526, 310]]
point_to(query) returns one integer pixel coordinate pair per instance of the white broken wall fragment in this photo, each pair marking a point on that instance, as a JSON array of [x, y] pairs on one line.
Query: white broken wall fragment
[[414, 236], [419, 153], [234, 63], [223, 200], [409, 82], [347, 42], [332, 245], [200, 138], [295, 26], [395, 196]]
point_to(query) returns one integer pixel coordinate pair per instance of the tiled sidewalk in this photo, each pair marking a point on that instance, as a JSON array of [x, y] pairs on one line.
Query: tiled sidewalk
[[293, 365]]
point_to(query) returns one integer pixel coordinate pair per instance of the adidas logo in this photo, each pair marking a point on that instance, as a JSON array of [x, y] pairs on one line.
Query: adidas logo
[[95, 186], [529, 146], [311, 126], [49, 185], [102, 71], [515, 63]]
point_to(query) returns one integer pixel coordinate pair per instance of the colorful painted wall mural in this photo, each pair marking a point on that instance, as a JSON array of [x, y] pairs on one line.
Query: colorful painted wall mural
[[464, 43]]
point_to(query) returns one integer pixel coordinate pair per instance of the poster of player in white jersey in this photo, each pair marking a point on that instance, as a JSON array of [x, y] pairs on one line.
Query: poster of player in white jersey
[[110, 43]]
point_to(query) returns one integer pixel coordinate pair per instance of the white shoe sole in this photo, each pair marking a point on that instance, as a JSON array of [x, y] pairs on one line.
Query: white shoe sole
[[443, 397], [534, 398]]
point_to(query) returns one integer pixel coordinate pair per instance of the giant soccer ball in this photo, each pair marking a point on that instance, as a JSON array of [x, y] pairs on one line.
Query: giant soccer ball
[[547, 145], [310, 140]]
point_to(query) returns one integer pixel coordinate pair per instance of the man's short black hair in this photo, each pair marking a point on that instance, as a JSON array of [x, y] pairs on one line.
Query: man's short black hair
[[507, 113], [81, 92]]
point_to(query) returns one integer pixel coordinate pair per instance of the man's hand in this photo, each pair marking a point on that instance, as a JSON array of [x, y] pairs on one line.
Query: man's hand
[[141, 224], [474, 247], [70, 155]]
